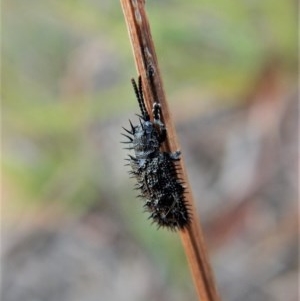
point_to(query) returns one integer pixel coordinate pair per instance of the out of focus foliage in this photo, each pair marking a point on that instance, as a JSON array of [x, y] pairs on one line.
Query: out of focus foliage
[[67, 64], [229, 68]]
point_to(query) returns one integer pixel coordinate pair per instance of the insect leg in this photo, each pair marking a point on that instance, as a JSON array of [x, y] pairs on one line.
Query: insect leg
[[156, 120]]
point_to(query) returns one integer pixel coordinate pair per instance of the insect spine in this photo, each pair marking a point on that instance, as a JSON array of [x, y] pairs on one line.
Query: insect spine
[[156, 171]]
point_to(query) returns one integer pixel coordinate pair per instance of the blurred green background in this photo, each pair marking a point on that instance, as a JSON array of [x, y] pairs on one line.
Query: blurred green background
[[66, 69]]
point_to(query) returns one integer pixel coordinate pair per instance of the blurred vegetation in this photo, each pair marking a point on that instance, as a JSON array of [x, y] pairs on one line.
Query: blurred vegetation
[[66, 68], [66, 93]]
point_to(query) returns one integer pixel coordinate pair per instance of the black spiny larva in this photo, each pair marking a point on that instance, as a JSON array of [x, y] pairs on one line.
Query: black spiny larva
[[155, 171]]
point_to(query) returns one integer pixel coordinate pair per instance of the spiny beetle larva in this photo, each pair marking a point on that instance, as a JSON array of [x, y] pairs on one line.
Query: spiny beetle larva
[[155, 171]]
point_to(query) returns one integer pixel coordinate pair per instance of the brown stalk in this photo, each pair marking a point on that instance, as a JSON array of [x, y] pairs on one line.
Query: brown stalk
[[145, 56]]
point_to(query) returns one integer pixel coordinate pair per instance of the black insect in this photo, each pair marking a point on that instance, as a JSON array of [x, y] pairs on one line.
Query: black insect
[[156, 171]]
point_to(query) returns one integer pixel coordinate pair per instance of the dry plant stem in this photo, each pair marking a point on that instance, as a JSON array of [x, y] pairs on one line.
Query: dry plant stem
[[145, 58]]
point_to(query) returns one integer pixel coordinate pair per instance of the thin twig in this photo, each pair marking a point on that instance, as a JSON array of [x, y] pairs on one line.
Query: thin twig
[[145, 60]]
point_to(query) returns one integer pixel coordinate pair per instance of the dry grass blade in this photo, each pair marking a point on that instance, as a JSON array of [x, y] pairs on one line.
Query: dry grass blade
[[145, 58]]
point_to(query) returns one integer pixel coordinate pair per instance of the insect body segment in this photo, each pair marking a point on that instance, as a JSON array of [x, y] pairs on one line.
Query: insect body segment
[[155, 171]]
